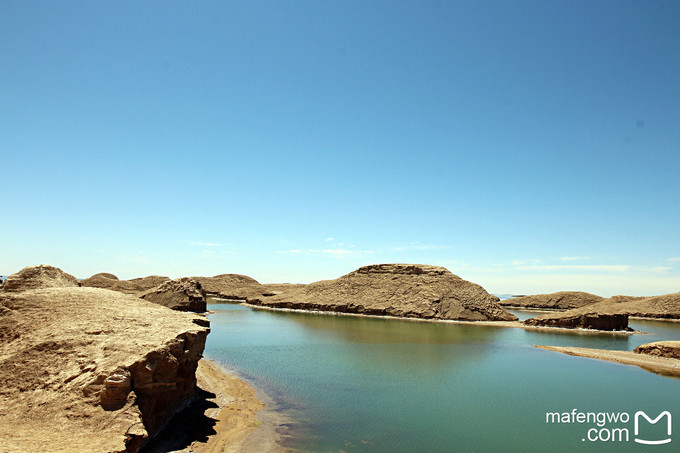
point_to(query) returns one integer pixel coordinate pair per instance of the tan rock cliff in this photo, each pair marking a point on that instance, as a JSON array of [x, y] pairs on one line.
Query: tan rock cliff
[[87, 369]]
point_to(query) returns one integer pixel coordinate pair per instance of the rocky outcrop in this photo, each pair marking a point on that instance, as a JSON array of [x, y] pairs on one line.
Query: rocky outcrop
[[665, 306], [41, 276], [105, 275], [87, 369], [670, 349], [183, 294], [562, 300], [582, 320], [133, 286], [275, 289], [233, 287], [403, 290]]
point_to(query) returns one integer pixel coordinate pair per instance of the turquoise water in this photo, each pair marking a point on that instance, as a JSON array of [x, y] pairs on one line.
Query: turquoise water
[[357, 384]]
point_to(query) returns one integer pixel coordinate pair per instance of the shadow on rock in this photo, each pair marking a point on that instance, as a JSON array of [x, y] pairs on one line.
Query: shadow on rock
[[188, 426]]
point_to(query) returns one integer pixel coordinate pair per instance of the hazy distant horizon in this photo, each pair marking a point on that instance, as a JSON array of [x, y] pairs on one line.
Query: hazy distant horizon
[[500, 293]]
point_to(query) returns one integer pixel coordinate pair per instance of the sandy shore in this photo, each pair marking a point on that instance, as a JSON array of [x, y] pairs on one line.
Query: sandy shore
[[229, 417], [659, 365]]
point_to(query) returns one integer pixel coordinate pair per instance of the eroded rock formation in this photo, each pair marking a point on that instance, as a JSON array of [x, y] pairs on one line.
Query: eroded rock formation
[[562, 300], [183, 294], [133, 286], [404, 290], [233, 287], [669, 349], [582, 320], [87, 369], [665, 306]]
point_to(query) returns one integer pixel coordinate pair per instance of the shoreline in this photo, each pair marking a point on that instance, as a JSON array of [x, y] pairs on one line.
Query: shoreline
[[506, 324], [242, 422], [659, 365]]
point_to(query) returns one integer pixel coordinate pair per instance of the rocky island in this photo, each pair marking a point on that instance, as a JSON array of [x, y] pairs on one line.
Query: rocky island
[[612, 313], [401, 290]]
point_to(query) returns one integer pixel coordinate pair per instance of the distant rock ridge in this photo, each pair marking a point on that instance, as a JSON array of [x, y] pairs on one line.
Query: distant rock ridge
[[403, 269], [274, 289], [562, 300], [233, 287], [664, 306], [40, 276], [132, 286], [104, 275], [402, 290]]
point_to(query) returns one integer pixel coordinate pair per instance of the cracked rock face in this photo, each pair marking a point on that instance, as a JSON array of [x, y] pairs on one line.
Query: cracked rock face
[[403, 290], [88, 369]]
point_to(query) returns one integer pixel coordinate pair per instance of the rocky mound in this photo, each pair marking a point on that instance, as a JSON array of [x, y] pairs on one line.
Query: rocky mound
[[562, 300], [101, 280], [233, 287], [669, 349], [596, 321], [41, 276], [86, 369], [665, 306], [133, 286], [404, 290], [183, 294]]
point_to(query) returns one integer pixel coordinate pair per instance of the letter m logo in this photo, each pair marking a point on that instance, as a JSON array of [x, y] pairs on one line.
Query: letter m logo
[[653, 422]]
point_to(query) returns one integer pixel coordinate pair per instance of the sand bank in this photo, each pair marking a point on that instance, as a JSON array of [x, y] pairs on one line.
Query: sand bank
[[659, 365], [227, 418]]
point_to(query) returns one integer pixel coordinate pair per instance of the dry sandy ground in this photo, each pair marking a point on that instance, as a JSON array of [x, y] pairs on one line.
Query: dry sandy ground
[[660, 365], [226, 420]]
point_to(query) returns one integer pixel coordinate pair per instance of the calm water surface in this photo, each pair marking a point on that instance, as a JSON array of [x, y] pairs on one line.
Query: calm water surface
[[357, 384]]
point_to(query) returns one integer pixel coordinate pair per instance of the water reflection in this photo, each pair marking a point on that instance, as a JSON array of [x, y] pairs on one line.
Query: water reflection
[[359, 329], [379, 385]]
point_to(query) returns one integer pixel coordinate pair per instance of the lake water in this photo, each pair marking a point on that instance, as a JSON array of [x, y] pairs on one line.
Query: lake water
[[357, 384]]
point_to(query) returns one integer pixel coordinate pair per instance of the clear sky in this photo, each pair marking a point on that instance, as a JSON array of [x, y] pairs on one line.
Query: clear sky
[[529, 146]]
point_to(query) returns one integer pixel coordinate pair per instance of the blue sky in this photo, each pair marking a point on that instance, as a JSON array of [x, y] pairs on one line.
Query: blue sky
[[528, 146]]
